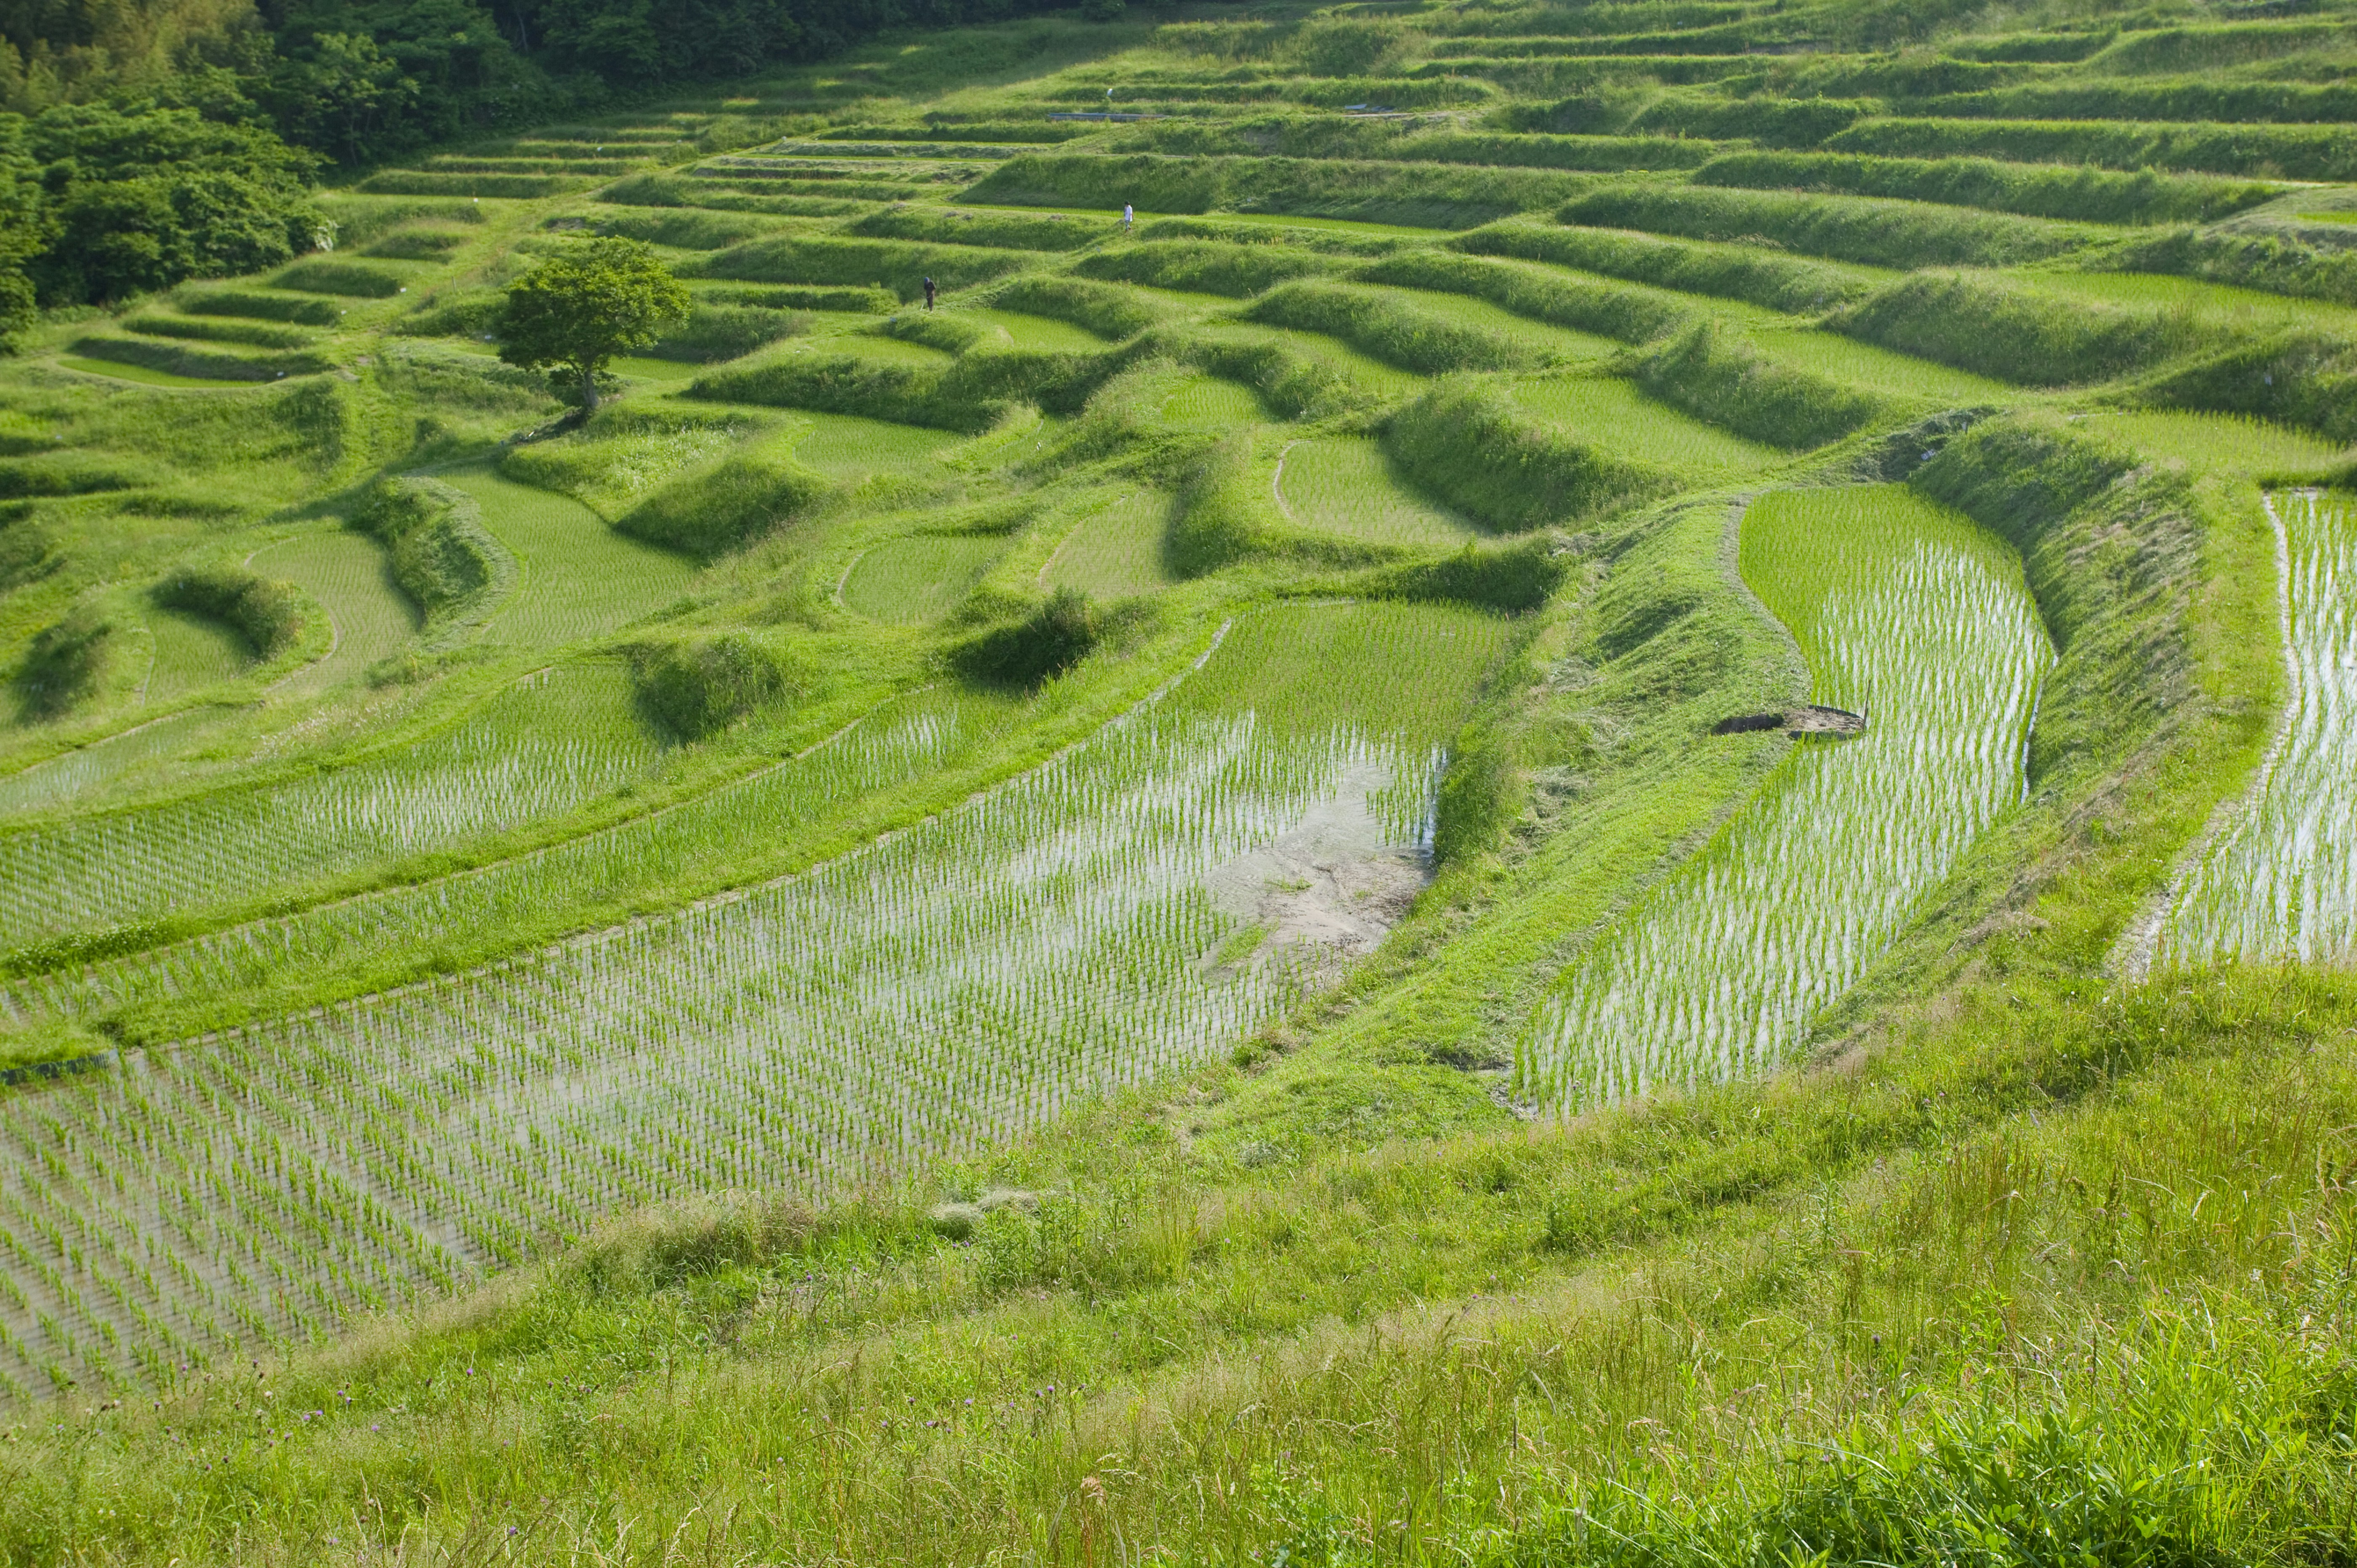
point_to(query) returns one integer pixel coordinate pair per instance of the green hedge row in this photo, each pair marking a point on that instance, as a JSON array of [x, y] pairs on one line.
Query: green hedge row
[[724, 506], [2011, 332], [675, 190], [699, 685], [442, 557], [1725, 381], [1390, 328], [1762, 277], [1444, 195], [2038, 190], [1771, 122], [899, 266], [268, 613], [970, 393], [2275, 263], [2293, 152], [2176, 98], [1467, 442], [1203, 266], [958, 225], [1628, 314], [1107, 309], [1849, 229]]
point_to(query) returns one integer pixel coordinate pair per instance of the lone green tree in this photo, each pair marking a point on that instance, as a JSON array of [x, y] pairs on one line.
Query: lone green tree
[[576, 310]]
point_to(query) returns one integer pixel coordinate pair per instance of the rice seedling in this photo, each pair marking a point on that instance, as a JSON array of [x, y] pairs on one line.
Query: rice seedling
[[943, 988], [1905, 613], [1612, 415], [2219, 304], [348, 575], [580, 578], [188, 652], [1118, 550], [1877, 370], [845, 447], [540, 747], [86, 771], [2222, 443], [1210, 403], [907, 582], [624, 457], [1344, 485], [2278, 881], [1036, 332]]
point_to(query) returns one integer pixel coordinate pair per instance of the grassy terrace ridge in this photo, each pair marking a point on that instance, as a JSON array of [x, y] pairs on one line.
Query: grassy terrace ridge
[[1516, 785]]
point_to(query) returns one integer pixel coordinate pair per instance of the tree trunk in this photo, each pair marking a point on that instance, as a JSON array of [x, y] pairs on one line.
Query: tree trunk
[[589, 392]]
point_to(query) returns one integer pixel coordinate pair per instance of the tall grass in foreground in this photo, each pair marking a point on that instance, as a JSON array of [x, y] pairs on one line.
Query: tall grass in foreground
[[2280, 882], [1909, 615]]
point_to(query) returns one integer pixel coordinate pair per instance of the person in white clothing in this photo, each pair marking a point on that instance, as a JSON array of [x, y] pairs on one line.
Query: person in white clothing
[[1127, 216]]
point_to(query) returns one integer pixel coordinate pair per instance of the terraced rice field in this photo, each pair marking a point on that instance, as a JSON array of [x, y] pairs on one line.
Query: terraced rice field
[[1044, 941], [2279, 882], [1616, 416], [190, 652], [545, 745], [1908, 615], [1118, 550], [578, 578], [1344, 485], [348, 575], [1875, 369], [907, 582]]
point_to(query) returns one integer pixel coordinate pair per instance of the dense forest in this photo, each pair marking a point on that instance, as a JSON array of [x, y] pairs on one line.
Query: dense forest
[[147, 141]]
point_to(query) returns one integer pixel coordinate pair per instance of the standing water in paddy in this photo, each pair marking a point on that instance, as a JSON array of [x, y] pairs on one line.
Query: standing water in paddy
[[1910, 615], [2281, 882]]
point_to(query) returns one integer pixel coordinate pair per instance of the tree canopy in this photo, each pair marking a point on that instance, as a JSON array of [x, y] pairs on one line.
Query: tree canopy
[[576, 311]]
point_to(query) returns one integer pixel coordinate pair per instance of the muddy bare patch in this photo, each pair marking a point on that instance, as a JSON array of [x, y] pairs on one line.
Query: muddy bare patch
[[1326, 891], [1810, 718]]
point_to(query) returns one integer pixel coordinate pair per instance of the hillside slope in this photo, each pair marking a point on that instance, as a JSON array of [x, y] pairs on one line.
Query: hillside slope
[[1593, 807]]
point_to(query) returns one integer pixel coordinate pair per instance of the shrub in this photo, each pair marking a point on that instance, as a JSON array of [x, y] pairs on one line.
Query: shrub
[[455, 313], [1467, 443], [1726, 381], [1849, 229], [1389, 328], [416, 246], [2294, 152], [1779, 283], [2043, 190], [1011, 230], [698, 686], [267, 612], [726, 507], [68, 661], [1197, 266], [1622, 313], [1044, 644], [2013, 333], [894, 264]]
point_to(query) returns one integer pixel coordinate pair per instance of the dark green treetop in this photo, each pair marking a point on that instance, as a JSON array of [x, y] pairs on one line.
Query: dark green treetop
[[574, 312]]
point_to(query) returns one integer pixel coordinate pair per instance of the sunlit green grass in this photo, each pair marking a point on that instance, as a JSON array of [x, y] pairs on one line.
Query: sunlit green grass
[[1039, 332], [348, 577], [115, 370], [578, 578], [1344, 485], [189, 652], [846, 446], [1614, 415], [1116, 550], [909, 581], [1208, 403], [1858, 364], [90, 770], [2220, 443], [2221, 304]]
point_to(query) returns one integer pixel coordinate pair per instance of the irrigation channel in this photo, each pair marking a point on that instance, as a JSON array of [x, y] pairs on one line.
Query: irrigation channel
[[1066, 933], [2280, 882], [1910, 615]]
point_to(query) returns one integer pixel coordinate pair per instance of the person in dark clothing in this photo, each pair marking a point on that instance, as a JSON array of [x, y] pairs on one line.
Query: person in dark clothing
[[929, 294]]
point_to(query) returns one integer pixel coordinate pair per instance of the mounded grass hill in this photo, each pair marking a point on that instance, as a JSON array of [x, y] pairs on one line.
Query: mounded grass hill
[[1598, 809]]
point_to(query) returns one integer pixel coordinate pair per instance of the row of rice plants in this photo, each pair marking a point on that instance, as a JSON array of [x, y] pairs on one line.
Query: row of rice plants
[[539, 748], [1344, 485], [1906, 613], [900, 741], [946, 987], [2280, 883]]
